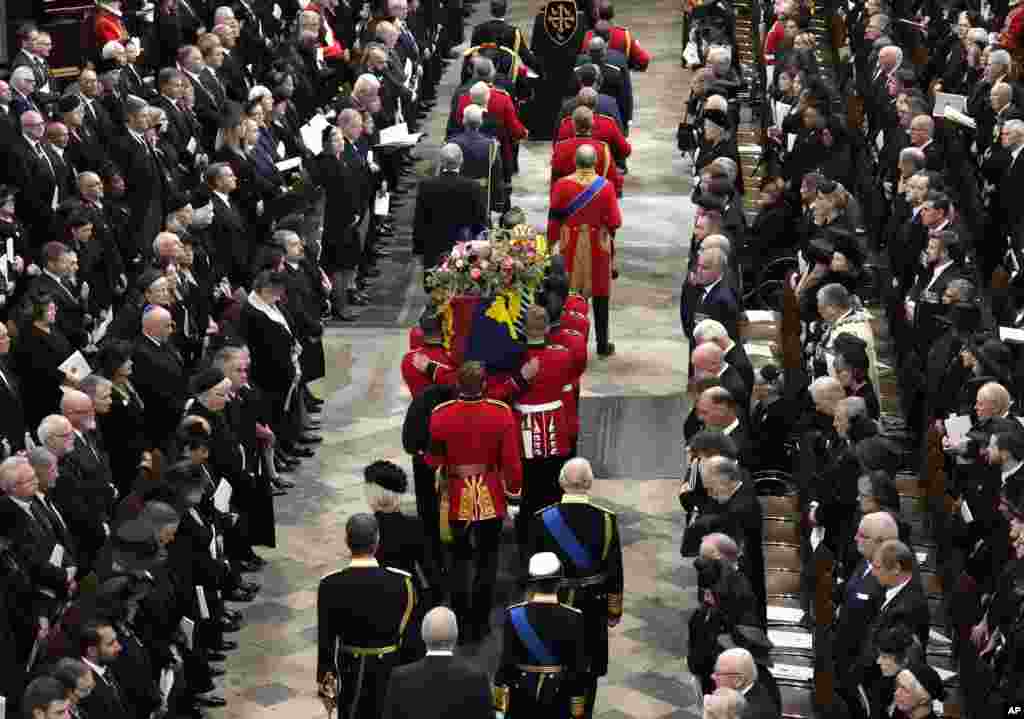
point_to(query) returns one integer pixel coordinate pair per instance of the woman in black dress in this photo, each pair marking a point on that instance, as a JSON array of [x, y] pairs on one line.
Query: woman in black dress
[[39, 350]]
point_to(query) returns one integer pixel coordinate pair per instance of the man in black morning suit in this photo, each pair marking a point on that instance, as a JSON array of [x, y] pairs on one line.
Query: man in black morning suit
[[502, 34], [543, 669], [444, 205], [439, 686], [857, 602], [143, 178], [99, 649], [159, 376], [232, 250], [31, 536], [585, 538], [362, 612]]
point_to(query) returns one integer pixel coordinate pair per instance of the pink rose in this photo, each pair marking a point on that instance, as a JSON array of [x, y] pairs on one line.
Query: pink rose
[[507, 264], [475, 273]]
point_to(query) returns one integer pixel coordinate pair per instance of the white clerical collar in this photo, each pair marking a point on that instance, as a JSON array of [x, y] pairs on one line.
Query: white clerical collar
[[222, 196], [440, 653], [893, 591]]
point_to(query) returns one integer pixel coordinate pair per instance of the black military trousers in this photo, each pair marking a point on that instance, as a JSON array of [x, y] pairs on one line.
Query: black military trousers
[[474, 573]]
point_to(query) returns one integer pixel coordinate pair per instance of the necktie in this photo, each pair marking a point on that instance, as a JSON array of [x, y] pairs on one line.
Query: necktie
[[45, 158], [53, 510]]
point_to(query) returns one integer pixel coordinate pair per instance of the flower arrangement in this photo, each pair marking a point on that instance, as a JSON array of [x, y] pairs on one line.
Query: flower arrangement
[[497, 262]]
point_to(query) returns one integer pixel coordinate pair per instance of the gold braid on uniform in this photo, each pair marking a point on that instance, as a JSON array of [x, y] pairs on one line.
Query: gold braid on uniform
[[577, 705], [501, 699], [615, 605]]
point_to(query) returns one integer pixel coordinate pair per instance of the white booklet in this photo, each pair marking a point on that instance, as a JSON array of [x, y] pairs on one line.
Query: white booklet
[[290, 164], [76, 366], [957, 427], [760, 316], [1011, 334], [57, 555], [790, 615], [222, 497], [790, 640], [938, 637], [792, 672]]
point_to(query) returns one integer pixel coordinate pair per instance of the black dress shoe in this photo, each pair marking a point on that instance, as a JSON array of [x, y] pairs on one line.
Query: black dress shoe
[[288, 460], [277, 492], [206, 685], [313, 426], [282, 484], [371, 272], [215, 656], [216, 672], [342, 316], [229, 627], [227, 645], [233, 614], [309, 439], [249, 587], [356, 299], [378, 252], [280, 466], [237, 595], [246, 565], [211, 700], [607, 351], [301, 451]]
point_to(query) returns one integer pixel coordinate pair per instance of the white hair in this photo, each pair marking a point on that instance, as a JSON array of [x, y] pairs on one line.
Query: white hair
[[22, 72], [9, 472], [260, 91], [51, 424], [223, 13], [710, 331]]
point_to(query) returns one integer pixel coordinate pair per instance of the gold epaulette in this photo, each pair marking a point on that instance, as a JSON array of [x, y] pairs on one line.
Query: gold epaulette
[[577, 707], [615, 605], [498, 402], [443, 404]]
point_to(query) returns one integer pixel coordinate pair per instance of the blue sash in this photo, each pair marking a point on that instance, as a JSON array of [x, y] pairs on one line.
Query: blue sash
[[566, 539], [529, 637], [579, 202]]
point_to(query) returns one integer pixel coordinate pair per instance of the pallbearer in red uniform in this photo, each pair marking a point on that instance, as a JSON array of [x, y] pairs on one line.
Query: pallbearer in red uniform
[[576, 343], [545, 425], [474, 441], [431, 348], [605, 129], [617, 37], [563, 159], [583, 218]]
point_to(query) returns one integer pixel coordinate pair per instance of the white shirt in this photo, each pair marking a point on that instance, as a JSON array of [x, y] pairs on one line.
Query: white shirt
[[1010, 469], [96, 668], [222, 196], [440, 653], [892, 592], [936, 272], [708, 288], [732, 427], [24, 504]]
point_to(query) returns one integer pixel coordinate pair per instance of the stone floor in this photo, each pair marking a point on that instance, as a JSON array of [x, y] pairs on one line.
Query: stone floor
[[632, 410]]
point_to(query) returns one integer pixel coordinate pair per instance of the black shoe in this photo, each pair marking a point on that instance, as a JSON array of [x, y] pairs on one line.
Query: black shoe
[[249, 566], [301, 451], [280, 483], [309, 439], [342, 316], [289, 462], [354, 298], [371, 272], [215, 656], [233, 614], [206, 685], [229, 627], [237, 595], [211, 701], [216, 672], [227, 645], [249, 587], [277, 492], [381, 253], [313, 426], [281, 466], [608, 351]]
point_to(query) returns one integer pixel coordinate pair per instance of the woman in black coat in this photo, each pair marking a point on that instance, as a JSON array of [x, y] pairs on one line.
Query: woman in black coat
[[39, 351], [124, 424]]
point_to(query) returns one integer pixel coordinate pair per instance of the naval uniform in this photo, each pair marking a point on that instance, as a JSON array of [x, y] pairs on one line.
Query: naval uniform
[[585, 537], [543, 666], [362, 614]]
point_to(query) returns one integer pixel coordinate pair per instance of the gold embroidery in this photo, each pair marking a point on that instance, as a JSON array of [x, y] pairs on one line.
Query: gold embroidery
[[614, 605], [501, 699], [581, 278]]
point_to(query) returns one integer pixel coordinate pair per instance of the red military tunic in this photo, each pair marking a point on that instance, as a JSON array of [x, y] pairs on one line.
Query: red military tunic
[[545, 424], [605, 129], [501, 107], [622, 40], [109, 27], [575, 321], [586, 237], [576, 343], [499, 387], [1012, 35], [418, 381], [577, 303], [474, 442], [563, 160], [415, 337]]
